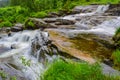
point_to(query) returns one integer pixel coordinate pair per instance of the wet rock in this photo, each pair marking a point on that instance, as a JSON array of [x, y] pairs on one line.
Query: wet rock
[[3, 49], [41, 47], [116, 39], [64, 12], [18, 27], [14, 46], [65, 22], [10, 72], [84, 9], [107, 70], [50, 20], [8, 29], [9, 34], [53, 14], [81, 26], [34, 23], [108, 62], [3, 30], [114, 9], [66, 27]]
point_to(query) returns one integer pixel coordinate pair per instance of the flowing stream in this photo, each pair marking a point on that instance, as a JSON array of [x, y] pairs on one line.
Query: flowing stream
[[21, 52], [17, 59], [106, 27]]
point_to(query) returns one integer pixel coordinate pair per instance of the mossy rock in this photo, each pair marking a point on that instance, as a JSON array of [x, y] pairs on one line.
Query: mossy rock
[[34, 23], [116, 38]]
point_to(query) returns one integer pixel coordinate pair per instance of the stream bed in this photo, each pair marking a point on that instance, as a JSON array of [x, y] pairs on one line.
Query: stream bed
[[24, 54]]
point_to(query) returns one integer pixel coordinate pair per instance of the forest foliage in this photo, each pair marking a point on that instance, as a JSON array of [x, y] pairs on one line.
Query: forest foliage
[[19, 10]]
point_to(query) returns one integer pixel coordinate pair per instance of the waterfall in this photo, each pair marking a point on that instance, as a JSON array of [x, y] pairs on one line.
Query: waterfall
[[102, 9], [24, 53], [99, 10]]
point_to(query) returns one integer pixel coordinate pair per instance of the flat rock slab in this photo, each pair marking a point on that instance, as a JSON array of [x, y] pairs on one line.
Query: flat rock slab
[[64, 44]]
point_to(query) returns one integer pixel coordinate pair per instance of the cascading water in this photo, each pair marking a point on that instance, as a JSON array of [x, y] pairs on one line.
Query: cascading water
[[22, 57], [99, 10], [102, 9], [24, 54], [105, 25]]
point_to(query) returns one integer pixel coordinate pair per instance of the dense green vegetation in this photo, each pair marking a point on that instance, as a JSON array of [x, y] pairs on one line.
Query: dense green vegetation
[[70, 70], [10, 15], [116, 59], [38, 5], [19, 10]]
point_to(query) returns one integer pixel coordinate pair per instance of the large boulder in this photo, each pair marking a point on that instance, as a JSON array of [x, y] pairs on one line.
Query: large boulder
[[34, 23], [17, 27], [64, 22], [41, 47]]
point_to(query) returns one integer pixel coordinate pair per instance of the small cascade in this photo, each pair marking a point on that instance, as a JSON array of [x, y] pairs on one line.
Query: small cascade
[[26, 51], [102, 9], [99, 10]]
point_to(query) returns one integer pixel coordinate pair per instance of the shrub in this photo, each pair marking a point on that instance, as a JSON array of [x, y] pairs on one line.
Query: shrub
[[12, 15], [20, 18], [6, 24], [61, 70], [29, 24], [41, 14]]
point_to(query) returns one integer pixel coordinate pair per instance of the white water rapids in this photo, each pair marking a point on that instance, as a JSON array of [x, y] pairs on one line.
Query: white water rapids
[[21, 51], [107, 27]]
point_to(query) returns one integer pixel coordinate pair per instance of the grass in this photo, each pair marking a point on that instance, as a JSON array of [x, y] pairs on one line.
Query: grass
[[70, 70], [116, 59], [117, 31]]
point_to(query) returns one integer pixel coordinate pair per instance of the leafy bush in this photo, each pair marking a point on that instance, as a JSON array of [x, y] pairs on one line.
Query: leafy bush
[[41, 14], [61, 70], [6, 24], [9, 15]]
